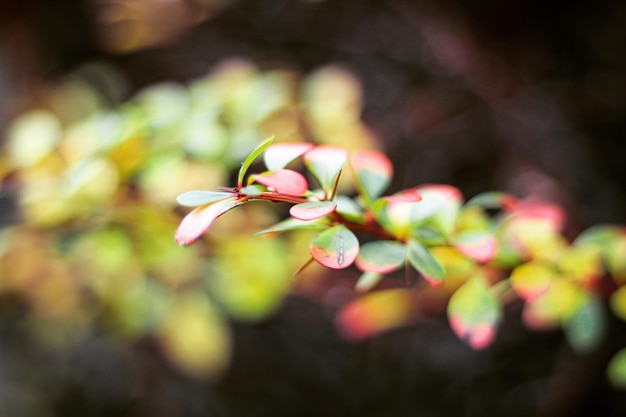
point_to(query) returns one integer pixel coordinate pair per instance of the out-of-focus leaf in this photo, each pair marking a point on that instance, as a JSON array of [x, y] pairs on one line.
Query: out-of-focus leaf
[[440, 204], [325, 163], [367, 281], [562, 299], [245, 165], [396, 213], [382, 256], [458, 267], [480, 246], [199, 220], [312, 210], [373, 173], [194, 337], [335, 248], [423, 261], [493, 200], [294, 224], [474, 313], [618, 302], [586, 328], [250, 277], [283, 181], [532, 279], [200, 198], [374, 313], [616, 371], [581, 263], [279, 155], [32, 136], [615, 259]]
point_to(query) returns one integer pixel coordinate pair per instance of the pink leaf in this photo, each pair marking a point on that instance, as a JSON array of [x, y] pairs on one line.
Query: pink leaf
[[312, 210], [279, 155], [476, 245], [284, 181], [199, 220]]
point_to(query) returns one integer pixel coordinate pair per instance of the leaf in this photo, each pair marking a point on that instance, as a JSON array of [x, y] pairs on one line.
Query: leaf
[[245, 165], [440, 204], [532, 279], [195, 337], [382, 256], [348, 208], [200, 198], [479, 246], [493, 200], [312, 210], [199, 220], [616, 370], [367, 281], [374, 313], [283, 181], [335, 248], [586, 328], [279, 155], [618, 302], [293, 224], [325, 163], [474, 313], [562, 300], [423, 261], [373, 173]]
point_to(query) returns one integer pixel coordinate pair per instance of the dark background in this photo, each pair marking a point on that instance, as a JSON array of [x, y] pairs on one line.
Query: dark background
[[527, 97]]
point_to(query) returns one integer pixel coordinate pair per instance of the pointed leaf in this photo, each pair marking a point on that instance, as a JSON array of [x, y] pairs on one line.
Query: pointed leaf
[[474, 313], [200, 198], [294, 224], [374, 313], [250, 159], [279, 155], [367, 281], [480, 246], [325, 163], [312, 210], [199, 220], [283, 181], [423, 261], [381, 256], [335, 248], [373, 173]]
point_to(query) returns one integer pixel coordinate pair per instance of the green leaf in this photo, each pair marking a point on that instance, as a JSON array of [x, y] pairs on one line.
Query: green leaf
[[294, 224], [245, 165], [367, 281], [348, 208], [283, 181], [586, 328], [325, 163], [335, 248], [382, 256], [532, 279], [200, 198], [493, 200], [423, 261], [474, 313], [312, 210], [373, 173], [279, 155], [616, 371]]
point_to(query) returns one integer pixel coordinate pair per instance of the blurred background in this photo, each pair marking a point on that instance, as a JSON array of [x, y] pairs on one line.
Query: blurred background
[[111, 108]]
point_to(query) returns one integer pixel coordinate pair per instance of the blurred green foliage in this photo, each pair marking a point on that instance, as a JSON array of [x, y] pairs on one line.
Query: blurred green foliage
[[95, 187]]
